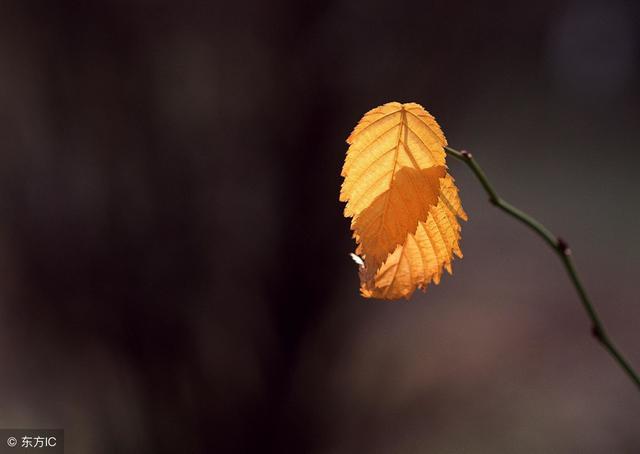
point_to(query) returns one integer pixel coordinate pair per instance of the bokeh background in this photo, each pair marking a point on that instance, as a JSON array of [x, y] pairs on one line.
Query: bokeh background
[[174, 269]]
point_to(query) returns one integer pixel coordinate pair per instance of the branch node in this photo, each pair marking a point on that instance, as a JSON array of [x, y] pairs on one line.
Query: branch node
[[596, 332], [563, 247]]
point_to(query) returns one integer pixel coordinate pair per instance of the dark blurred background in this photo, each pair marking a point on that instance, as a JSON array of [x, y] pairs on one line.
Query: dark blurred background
[[174, 261]]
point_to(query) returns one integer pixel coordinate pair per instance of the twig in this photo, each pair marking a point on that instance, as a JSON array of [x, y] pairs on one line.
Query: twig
[[561, 248]]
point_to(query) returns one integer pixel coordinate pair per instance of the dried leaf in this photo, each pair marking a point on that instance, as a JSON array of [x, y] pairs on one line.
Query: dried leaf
[[403, 202]]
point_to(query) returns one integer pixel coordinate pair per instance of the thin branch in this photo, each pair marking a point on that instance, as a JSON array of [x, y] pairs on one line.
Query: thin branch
[[561, 248]]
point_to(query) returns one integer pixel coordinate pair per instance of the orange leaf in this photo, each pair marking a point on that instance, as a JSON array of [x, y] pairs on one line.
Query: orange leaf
[[403, 203]]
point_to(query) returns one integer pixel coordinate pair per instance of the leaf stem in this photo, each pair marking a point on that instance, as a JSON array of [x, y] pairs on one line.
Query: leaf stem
[[561, 248]]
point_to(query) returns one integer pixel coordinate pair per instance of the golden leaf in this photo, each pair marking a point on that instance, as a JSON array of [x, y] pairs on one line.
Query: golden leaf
[[403, 202]]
